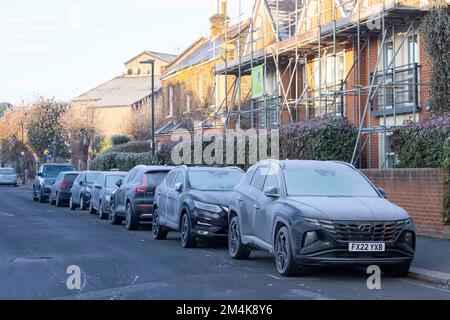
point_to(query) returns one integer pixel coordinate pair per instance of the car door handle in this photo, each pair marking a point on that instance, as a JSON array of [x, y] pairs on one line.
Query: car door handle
[[257, 207], [240, 199]]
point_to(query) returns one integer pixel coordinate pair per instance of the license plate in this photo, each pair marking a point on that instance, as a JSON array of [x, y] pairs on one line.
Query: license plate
[[367, 247]]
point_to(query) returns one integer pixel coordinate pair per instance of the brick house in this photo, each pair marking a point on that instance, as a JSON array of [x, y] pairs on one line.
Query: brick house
[[112, 103], [193, 97], [362, 60]]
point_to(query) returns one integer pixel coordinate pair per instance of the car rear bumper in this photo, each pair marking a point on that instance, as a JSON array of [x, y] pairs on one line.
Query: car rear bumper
[[144, 210], [64, 196]]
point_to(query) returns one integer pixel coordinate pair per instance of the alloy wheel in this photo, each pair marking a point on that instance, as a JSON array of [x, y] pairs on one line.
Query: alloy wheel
[[282, 251], [234, 237], [128, 217], [184, 229], [155, 224]]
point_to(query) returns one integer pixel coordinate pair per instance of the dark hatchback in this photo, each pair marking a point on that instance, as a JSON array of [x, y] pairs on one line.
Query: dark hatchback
[[60, 191], [195, 202], [45, 178], [82, 190], [310, 213], [133, 199]]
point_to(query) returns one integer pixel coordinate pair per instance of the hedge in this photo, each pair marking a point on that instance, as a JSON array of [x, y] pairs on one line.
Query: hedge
[[325, 138], [424, 144], [132, 147], [121, 160], [120, 139]]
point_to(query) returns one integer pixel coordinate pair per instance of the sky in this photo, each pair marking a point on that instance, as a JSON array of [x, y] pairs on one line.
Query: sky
[[60, 49]]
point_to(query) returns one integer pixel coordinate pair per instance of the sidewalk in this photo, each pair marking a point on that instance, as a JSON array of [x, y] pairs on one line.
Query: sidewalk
[[432, 261]]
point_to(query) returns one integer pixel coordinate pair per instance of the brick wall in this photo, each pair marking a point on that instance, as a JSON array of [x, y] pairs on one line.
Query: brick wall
[[418, 191]]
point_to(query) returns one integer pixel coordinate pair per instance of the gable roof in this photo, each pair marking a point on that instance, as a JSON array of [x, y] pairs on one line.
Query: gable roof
[[120, 91], [166, 57], [204, 49]]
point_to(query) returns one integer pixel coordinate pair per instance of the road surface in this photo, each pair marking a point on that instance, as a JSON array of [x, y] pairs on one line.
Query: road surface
[[39, 242]]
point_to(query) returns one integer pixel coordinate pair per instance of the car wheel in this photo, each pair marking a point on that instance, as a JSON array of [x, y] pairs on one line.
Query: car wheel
[[58, 203], [401, 271], [101, 213], [71, 204], [41, 197], [34, 195], [187, 239], [236, 249], [83, 206], [283, 254], [131, 221], [113, 218], [158, 232], [91, 209]]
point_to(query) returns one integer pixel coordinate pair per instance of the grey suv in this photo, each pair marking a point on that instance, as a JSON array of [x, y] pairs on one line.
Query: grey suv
[[46, 177], [311, 213]]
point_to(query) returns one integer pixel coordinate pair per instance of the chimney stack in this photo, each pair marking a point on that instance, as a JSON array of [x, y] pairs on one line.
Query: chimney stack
[[219, 21]]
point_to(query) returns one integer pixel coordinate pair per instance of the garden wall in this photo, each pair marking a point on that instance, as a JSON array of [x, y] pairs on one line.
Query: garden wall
[[419, 191]]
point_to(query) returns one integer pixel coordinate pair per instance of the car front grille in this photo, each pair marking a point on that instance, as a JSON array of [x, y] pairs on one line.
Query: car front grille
[[363, 231]]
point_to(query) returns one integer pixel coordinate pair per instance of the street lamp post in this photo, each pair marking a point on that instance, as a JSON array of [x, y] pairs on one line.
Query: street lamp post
[[152, 62]]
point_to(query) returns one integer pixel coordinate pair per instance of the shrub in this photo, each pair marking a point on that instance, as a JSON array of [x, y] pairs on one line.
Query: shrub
[[121, 160], [100, 145], [133, 147], [424, 144], [326, 138], [120, 139]]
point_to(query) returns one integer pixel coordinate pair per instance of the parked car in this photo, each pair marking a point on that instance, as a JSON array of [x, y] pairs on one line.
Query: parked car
[[8, 177], [102, 191], [45, 178], [60, 191], [310, 213], [195, 202], [133, 200], [81, 190]]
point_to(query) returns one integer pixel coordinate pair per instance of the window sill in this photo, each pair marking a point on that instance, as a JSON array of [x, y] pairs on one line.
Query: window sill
[[390, 112]]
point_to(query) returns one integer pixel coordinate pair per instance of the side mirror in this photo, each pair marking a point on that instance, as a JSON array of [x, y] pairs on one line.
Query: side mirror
[[97, 186], [39, 174], [272, 192], [119, 183], [179, 187], [383, 192], [81, 183]]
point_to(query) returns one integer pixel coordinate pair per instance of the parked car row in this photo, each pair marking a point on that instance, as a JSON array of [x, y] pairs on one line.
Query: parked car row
[[305, 213]]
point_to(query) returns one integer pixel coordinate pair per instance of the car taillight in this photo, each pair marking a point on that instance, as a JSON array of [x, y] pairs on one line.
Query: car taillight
[[64, 186], [143, 187]]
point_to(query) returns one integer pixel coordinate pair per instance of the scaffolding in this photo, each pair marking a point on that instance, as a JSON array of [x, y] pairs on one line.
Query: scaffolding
[[318, 60]]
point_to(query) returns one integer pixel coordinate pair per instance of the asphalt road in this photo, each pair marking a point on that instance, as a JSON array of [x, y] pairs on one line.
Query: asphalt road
[[38, 243]]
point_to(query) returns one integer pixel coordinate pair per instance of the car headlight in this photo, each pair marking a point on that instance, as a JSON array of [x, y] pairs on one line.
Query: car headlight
[[207, 207]]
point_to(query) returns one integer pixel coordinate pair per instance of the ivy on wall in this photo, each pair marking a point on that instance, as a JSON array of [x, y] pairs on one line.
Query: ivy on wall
[[435, 28]]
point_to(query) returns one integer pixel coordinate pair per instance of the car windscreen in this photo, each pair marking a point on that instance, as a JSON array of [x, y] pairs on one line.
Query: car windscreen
[[7, 171], [154, 179], [91, 177], [327, 183], [111, 181], [54, 171], [214, 180]]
